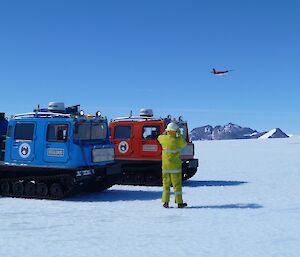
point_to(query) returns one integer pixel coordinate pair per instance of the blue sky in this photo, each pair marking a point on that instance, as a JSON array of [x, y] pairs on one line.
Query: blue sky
[[117, 56]]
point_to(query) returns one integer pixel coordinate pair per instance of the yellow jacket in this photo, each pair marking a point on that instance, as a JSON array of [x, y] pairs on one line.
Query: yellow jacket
[[171, 146]]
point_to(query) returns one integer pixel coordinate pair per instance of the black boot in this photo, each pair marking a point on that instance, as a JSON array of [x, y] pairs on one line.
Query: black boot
[[166, 205], [182, 205]]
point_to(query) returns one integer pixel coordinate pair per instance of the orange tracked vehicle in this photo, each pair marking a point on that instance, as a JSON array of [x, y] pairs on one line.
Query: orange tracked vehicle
[[139, 152]]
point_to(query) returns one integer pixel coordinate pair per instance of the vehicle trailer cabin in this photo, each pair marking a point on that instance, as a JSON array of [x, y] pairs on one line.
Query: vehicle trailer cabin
[[139, 152], [55, 152]]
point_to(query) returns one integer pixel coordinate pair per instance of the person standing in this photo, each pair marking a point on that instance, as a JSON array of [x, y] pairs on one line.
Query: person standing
[[172, 142]]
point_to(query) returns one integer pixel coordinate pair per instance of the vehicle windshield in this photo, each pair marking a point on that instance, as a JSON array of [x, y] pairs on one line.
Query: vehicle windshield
[[90, 131]]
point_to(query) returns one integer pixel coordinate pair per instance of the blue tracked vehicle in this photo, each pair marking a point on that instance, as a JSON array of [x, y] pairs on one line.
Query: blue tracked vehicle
[[55, 152]]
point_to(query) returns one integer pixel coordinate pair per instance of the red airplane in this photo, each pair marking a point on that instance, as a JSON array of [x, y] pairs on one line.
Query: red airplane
[[220, 72]]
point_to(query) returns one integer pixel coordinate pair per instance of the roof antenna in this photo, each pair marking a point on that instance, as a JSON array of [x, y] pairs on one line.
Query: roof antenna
[[38, 108], [130, 115]]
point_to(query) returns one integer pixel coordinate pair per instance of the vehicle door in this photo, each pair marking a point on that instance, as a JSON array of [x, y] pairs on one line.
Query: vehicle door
[[188, 151], [122, 138], [23, 141], [57, 144], [150, 147]]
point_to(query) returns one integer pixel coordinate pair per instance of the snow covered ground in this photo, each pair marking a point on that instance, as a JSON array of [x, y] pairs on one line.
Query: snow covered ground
[[244, 201]]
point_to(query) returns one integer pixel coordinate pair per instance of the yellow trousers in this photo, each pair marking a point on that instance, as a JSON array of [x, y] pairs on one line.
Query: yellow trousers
[[176, 180]]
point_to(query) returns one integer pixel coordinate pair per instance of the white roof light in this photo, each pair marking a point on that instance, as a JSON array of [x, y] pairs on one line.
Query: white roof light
[[146, 112], [56, 106]]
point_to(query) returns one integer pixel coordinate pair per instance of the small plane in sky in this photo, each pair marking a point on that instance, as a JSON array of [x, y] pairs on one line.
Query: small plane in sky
[[220, 73]]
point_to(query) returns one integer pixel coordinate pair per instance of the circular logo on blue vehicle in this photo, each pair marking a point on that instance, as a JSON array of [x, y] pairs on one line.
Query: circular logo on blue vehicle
[[24, 150], [123, 147]]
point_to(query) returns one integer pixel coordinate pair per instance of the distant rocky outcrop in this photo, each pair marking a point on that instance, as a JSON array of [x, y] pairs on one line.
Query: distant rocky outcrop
[[232, 131], [274, 133], [202, 133]]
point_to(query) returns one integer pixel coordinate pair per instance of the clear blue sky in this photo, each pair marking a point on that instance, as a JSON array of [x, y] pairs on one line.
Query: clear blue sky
[[117, 56]]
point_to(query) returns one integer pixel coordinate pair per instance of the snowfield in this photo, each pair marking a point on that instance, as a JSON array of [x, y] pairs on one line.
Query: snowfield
[[244, 201]]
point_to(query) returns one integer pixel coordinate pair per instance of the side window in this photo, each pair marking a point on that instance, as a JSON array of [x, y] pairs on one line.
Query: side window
[[57, 133], [24, 131], [150, 132], [183, 131], [122, 132]]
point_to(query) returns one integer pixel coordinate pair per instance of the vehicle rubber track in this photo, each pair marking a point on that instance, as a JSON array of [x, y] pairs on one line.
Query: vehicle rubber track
[[154, 178], [188, 174], [43, 187]]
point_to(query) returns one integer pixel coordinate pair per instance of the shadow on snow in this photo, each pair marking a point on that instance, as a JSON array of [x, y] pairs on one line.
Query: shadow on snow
[[228, 206], [212, 183], [114, 195]]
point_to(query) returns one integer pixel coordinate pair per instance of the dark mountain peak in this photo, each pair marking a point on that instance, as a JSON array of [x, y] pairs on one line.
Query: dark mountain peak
[[230, 124]]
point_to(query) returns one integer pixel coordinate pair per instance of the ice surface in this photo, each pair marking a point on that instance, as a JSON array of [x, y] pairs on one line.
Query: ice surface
[[244, 201]]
